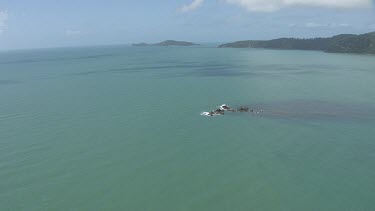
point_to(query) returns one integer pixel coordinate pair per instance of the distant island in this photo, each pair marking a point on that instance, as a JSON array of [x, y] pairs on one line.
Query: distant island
[[166, 43], [343, 43]]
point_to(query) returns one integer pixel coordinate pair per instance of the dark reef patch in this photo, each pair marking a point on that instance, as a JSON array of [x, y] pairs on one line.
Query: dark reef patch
[[315, 110], [7, 82]]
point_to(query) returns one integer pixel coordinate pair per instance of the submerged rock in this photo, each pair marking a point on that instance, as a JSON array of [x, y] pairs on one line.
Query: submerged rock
[[223, 108], [218, 111], [244, 109]]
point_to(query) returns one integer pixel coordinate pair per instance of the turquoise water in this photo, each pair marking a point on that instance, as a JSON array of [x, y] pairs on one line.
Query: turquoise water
[[118, 128]]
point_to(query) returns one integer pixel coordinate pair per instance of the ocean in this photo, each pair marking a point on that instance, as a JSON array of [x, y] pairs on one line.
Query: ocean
[[119, 128]]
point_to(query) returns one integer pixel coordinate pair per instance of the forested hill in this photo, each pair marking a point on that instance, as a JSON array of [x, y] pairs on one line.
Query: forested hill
[[344, 43]]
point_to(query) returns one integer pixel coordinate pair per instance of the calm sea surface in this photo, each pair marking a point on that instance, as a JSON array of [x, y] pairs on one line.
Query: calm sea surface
[[119, 128]]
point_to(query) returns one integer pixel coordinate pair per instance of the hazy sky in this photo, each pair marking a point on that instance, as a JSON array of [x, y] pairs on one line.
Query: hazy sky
[[50, 23]]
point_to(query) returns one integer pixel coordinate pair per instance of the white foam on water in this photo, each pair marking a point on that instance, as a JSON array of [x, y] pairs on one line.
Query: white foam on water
[[208, 114]]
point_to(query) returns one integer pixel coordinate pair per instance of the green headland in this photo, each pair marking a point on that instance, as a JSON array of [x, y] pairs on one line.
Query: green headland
[[343, 43]]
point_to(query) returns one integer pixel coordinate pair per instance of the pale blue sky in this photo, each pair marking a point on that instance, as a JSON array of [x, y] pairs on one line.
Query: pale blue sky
[[54, 23]]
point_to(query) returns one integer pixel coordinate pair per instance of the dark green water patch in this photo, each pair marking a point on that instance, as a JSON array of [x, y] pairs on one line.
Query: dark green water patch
[[316, 110], [35, 60], [7, 82]]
